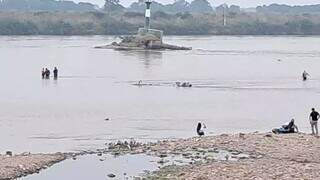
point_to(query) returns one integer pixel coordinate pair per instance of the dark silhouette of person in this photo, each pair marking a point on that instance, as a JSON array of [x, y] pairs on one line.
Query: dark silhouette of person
[[55, 73], [200, 132], [43, 73], [289, 128], [314, 117], [305, 75], [47, 73]]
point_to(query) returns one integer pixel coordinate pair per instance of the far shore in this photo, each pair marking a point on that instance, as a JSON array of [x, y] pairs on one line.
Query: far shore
[[267, 156]]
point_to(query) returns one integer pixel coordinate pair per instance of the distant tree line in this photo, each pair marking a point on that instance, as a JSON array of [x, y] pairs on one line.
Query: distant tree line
[[183, 23], [196, 6], [51, 17], [45, 5], [282, 8]]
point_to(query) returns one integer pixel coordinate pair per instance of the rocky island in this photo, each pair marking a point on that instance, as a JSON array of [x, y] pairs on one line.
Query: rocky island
[[145, 39]]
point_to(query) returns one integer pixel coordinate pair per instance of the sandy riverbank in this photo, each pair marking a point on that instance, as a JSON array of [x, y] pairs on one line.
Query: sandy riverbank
[[12, 167]]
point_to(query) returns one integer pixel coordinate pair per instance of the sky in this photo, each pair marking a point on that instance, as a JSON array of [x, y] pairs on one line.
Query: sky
[[242, 3]]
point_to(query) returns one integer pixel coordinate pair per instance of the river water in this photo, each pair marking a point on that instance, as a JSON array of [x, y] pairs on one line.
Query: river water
[[240, 84]]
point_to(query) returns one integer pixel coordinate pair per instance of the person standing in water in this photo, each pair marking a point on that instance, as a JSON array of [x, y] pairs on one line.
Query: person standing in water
[[314, 117], [43, 73], [305, 75], [47, 73], [55, 73]]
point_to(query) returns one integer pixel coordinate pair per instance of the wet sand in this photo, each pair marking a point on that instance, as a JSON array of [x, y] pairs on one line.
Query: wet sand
[[12, 167]]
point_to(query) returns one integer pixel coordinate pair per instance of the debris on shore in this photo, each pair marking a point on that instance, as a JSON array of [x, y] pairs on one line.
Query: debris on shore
[[13, 167]]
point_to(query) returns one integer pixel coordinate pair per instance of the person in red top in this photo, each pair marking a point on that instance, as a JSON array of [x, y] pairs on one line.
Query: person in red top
[[314, 117]]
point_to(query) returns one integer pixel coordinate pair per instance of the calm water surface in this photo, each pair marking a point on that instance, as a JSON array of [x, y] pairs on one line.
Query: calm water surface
[[241, 84]]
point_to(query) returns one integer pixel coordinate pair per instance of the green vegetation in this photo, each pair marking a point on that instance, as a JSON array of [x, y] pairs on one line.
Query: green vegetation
[[44, 5], [99, 23], [51, 17]]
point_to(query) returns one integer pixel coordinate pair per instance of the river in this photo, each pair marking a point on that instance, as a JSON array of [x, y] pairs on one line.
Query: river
[[240, 84]]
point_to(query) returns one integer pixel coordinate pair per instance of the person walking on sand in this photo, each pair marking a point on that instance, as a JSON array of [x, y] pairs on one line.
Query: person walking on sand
[[314, 116], [55, 73]]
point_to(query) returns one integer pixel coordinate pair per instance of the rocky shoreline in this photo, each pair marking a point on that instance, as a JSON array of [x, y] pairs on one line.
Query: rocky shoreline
[[13, 167], [226, 156], [270, 156]]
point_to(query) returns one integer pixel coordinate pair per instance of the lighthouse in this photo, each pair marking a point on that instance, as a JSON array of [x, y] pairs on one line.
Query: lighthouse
[[147, 15], [150, 37]]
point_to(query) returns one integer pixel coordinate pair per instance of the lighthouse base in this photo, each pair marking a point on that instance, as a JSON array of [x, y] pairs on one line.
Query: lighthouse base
[[144, 40]]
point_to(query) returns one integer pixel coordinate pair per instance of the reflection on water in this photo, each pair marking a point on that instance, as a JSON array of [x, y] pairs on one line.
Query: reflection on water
[[148, 58], [239, 85], [127, 166]]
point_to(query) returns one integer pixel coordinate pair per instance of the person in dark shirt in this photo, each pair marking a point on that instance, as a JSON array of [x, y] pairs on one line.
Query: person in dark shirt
[[291, 127], [314, 116], [43, 73], [55, 73], [47, 73], [200, 132], [305, 75]]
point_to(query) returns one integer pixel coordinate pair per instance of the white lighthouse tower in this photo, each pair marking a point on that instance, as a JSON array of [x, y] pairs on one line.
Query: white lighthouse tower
[[154, 35], [147, 15]]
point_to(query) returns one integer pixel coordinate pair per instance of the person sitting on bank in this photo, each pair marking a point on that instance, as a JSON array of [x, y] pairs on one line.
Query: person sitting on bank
[[285, 129], [55, 73], [200, 131], [314, 117], [305, 75]]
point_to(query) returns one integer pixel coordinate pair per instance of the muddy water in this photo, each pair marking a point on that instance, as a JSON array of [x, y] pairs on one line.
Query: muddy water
[[240, 84]]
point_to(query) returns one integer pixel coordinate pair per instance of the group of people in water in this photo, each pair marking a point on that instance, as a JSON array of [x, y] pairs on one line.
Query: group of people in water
[[45, 73], [291, 127]]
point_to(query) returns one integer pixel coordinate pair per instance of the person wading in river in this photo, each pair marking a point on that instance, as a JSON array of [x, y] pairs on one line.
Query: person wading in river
[[55, 73], [305, 75], [43, 73], [314, 116], [47, 73]]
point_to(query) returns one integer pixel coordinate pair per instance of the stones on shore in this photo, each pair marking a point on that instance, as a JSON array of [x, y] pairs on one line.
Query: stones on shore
[[241, 135], [163, 155], [9, 153], [15, 166], [268, 135]]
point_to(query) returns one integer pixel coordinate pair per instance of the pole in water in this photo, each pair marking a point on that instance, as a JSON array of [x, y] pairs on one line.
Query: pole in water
[[147, 15]]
